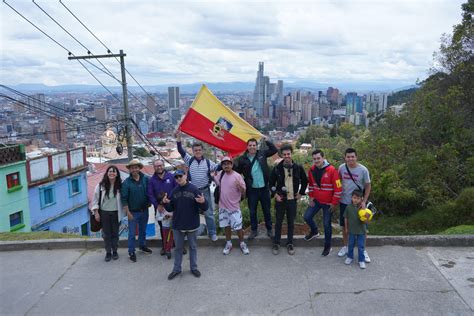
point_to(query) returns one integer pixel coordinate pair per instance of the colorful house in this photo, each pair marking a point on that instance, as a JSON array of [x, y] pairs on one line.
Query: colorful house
[[14, 206], [58, 192]]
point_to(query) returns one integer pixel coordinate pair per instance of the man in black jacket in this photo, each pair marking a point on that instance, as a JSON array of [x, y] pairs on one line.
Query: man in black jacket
[[253, 166], [184, 205], [288, 183]]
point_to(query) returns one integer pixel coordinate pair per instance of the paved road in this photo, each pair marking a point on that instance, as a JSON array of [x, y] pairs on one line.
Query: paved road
[[399, 281]]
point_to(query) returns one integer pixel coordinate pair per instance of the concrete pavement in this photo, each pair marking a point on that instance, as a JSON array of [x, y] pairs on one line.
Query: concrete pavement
[[399, 281]]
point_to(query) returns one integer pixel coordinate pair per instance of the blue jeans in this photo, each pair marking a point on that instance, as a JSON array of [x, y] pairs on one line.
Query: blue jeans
[[327, 216], [254, 196], [360, 239], [209, 214], [178, 251], [140, 218]]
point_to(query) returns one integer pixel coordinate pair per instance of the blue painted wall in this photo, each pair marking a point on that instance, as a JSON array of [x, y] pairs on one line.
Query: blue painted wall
[[63, 201]]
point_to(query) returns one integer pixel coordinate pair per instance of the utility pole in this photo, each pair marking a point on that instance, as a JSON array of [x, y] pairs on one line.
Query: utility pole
[[128, 127]]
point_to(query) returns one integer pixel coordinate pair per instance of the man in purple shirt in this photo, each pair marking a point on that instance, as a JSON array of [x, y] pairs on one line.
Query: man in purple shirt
[[160, 183]]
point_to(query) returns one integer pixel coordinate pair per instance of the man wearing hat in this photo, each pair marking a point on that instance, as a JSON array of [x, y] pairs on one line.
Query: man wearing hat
[[232, 189], [135, 204]]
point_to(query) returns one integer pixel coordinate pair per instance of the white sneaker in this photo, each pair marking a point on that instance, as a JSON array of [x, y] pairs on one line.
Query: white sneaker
[[348, 261], [366, 257], [214, 237], [342, 252], [362, 265], [227, 248], [244, 248]]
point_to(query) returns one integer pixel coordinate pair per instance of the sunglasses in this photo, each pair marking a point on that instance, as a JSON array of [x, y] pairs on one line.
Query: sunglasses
[[178, 176]]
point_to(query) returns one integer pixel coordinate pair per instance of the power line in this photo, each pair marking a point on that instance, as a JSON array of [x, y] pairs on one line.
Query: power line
[[30, 97], [146, 140], [108, 51], [45, 103], [63, 47], [72, 36], [26, 105]]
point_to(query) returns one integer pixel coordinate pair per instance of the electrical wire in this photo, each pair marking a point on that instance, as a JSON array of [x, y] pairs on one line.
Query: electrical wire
[[108, 51], [72, 36], [63, 47]]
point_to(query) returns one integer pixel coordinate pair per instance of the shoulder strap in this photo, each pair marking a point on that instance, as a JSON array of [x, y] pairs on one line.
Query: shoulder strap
[[189, 167], [100, 195], [350, 174], [222, 175], [209, 170]]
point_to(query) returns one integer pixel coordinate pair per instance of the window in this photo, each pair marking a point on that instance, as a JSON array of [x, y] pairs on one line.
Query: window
[[74, 186], [16, 221], [47, 196], [13, 182]]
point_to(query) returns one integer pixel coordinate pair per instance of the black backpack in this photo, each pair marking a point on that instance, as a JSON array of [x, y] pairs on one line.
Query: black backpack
[[217, 190]]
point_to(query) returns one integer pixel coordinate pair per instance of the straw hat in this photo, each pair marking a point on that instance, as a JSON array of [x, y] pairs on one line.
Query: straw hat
[[134, 162]]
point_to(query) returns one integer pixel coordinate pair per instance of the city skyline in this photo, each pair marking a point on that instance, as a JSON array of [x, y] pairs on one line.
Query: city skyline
[[185, 42]]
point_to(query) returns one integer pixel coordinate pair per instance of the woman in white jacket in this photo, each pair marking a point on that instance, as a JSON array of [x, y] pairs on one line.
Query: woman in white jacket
[[109, 210]]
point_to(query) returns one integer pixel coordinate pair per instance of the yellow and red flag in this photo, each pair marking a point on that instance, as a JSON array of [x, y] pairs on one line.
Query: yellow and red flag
[[209, 120]]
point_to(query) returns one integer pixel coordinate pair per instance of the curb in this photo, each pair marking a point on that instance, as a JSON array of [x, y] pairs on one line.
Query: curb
[[372, 241]]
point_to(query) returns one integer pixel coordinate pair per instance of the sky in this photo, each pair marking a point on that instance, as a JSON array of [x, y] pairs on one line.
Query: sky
[[179, 42]]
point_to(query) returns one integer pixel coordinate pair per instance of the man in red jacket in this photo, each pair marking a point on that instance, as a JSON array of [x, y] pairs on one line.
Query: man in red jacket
[[324, 192]]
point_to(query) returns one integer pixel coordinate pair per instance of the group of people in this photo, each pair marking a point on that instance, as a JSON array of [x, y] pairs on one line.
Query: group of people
[[179, 198]]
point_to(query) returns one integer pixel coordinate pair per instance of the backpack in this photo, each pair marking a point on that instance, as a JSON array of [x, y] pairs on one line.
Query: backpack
[[217, 190], [208, 169]]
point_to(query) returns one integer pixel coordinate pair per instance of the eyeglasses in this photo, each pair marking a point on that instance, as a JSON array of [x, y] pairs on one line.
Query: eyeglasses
[[178, 176]]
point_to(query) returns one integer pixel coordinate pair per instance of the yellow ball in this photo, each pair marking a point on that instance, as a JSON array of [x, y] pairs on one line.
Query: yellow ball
[[363, 214]]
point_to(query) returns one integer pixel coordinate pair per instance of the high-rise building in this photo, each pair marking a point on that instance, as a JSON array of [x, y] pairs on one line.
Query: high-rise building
[[279, 92], [151, 103], [38, 101], [57, 134], [259, 92], [173, 104], [100, 113]]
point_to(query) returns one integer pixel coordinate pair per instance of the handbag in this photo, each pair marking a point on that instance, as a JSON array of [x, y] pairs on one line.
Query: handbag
[[95, 225]]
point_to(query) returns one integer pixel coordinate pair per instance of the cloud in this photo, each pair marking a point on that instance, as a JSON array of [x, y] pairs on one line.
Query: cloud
[[188, 41]]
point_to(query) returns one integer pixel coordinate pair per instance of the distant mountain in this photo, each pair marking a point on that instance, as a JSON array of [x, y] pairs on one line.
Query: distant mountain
[[221, 87]]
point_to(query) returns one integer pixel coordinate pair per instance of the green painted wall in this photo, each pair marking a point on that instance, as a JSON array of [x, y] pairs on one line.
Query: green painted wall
[[12, 202]]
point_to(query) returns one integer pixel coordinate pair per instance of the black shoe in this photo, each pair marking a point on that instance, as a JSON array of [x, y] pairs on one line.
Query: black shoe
[[196, 273], [115, 255], [252, 235], [276, 249], [270, 233], [162, 252], [168, 255], [184, 251], [310, 236], [146, 250], [108, 257], [326, 251], [291, 250], [132, 256], [172, 275]]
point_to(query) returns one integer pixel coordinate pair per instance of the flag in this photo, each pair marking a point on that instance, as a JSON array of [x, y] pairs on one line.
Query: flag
[[210, 121]]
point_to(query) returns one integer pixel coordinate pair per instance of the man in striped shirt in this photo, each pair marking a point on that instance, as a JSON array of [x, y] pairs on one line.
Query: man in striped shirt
[[199, 174]]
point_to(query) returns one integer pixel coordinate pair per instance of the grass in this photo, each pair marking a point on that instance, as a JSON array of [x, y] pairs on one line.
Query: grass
[[459, 230], [36, 236]]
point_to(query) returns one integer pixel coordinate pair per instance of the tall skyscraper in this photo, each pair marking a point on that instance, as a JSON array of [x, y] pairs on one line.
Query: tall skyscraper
[[279, 92], [173, 104], [259, 92]]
